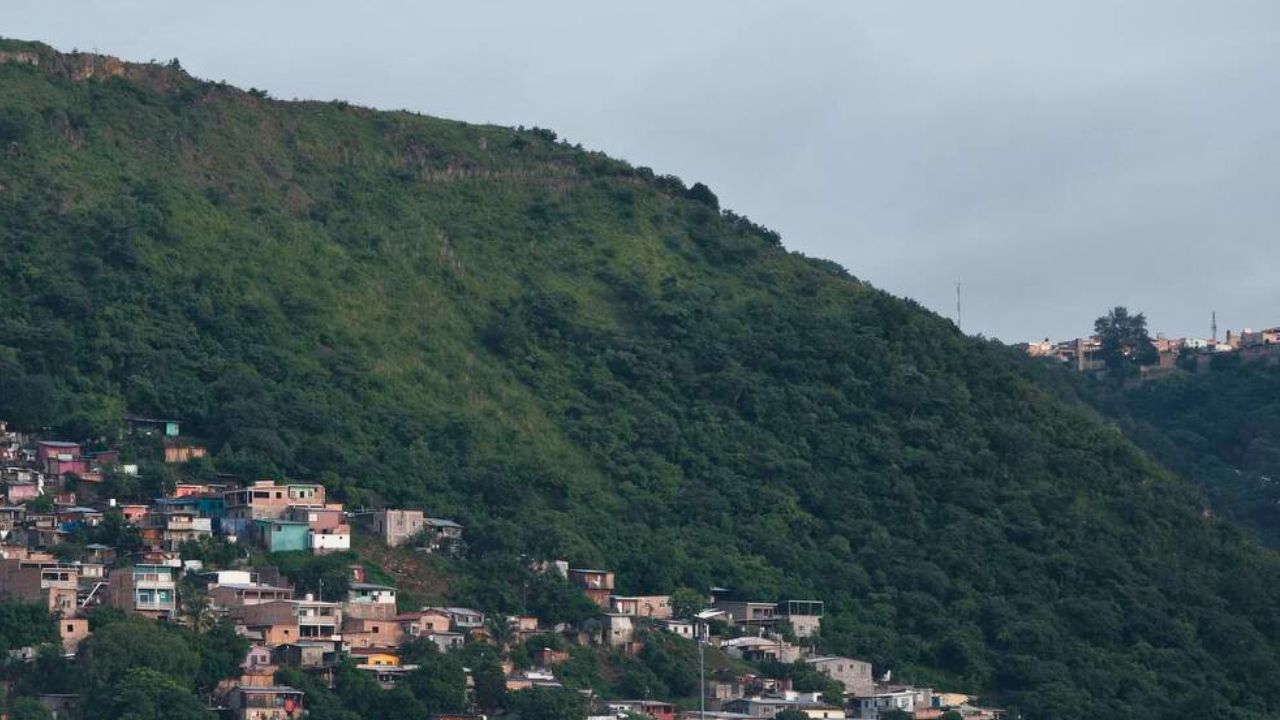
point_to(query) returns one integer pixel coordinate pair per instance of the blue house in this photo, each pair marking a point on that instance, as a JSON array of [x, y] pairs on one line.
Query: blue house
[[281, 535]]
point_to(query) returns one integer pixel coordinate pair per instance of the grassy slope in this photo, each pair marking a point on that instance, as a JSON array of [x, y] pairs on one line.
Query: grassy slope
[[577, 358]]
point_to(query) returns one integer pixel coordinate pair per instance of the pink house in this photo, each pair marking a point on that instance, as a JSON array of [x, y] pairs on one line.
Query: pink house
[[56, 450], [22, 492]]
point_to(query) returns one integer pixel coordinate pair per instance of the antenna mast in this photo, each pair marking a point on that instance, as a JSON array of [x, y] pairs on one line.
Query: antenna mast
[[1213, 326], [959, 315]]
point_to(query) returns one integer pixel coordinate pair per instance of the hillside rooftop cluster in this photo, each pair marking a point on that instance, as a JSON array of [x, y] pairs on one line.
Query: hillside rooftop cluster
[[1085, 354], [53, 490]]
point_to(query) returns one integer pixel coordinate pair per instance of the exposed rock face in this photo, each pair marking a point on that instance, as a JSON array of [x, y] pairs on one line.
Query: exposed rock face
[[79, 67]]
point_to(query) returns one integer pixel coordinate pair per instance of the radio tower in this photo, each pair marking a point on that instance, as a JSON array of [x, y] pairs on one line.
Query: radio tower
[[959, 316], [1213, 326]]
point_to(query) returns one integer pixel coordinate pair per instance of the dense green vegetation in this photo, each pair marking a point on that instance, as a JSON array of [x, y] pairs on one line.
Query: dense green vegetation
[[1220, 429], [578, 358], [127, 668]]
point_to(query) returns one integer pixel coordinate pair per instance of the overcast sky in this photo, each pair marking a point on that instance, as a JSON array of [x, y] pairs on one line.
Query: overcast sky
[[1054, 160]]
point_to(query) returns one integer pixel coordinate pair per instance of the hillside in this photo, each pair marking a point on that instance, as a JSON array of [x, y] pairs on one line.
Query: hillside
[[579, 358], [1220, 429]]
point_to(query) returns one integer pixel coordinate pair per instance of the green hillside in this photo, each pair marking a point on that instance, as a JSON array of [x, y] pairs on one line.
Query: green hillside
[[1220, 429], [579, 358]]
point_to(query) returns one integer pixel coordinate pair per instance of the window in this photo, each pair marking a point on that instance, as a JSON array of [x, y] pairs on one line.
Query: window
[[71, 628]]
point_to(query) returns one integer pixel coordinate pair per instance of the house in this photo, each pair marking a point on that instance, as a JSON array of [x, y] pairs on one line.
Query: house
[[804, 616], [98, 552], [853, 675], [133, 514], [523, 626], [169, 525], [313, 618], [657, 607], [869, 707], [60, 705], [58, 450], [17, 491], [597, 584], [72, 631], [271, 632], [369, 600], [265, 500], [308, 654], [760, 649], [442, 532], [77, 516], [747, 614], [950, 699], [656, 709], [333, 540], [49, 583], [275, 535], [362, 632], [265, 703], [421, 624], [617, 630], [546, 657], [375, 657], [11, 516], [258, 657], [767, 707], [177, 453], [207, 506], [327, 528], [135, 425], [183, 489], [146, 589], [229, 595], [531, 679], [447, 641], [396, 527], [462, 619], [387, 676], [683, 628]]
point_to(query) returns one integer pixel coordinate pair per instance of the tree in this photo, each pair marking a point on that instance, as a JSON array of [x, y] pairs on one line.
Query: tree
[[687, 602], [439, 683], [29, 709], [221, 650], [791, 714], [107, 654], [1126, 346], [193, 603], [146, 694], [486, 673], [548, 704]]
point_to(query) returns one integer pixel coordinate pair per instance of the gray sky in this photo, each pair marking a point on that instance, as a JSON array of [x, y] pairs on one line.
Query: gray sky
[[1055, 160]]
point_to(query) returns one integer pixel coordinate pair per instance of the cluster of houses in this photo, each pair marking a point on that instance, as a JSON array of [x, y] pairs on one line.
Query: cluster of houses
[[751, 631], [1084, 354], [285, 627], [365, 624]]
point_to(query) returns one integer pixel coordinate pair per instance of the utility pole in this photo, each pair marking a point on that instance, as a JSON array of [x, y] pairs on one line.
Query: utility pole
[[702, 671]]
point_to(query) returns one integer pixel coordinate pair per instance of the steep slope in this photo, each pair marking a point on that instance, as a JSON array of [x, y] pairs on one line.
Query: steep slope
[[579, 358], [1219, 429]]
